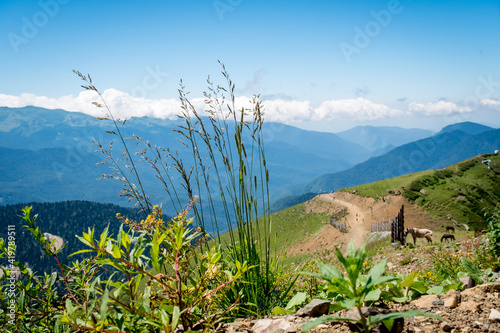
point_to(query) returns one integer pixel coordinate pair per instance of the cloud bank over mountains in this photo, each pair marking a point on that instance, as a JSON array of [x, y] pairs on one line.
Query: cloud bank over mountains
[[124, 105]]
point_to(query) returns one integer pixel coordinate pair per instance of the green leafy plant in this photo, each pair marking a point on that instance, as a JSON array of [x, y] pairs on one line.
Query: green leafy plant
[[32, 302], [175, 284], [494, 233], [404, 288], [159, 280], [357, 290]]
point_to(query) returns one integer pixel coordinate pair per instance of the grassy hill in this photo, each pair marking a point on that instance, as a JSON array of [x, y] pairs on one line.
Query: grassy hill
[[465, 192]]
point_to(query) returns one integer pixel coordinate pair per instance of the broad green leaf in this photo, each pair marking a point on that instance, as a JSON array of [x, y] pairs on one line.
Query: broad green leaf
[[69, 307], [409, 279], [348, 303], [104, 306], [337, 306], [298, 299], [373, 295], [400, 299], [437, 290], [175, 318], [329, 271], [419, 286], [406, 314], [452, 286], [388, 323], [52, 279], [378, 269], [116, 252], [279, 311]]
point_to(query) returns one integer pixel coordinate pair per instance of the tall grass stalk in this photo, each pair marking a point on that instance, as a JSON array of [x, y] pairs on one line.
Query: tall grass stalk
[[227, 169]]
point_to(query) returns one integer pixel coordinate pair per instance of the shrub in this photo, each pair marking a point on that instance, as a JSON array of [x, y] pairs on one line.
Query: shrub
[[494, 233], [161, 280]]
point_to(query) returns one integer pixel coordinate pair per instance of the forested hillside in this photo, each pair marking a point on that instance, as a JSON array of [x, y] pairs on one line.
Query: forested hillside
[[64, 219]]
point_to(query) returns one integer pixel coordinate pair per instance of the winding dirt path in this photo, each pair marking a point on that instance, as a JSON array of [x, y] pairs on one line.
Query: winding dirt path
[[361, 213], [359, 218]]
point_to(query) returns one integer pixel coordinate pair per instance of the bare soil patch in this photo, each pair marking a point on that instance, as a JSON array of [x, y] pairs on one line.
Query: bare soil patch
[[362, 212]]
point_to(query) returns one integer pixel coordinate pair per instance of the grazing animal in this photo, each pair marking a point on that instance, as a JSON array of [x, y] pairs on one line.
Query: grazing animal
[[447, 237], [419, 233], [450, 228]]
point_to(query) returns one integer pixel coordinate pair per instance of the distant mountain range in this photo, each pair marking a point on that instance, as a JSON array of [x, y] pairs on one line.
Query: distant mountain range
[[453, 144], [47, 155], [382, 137]]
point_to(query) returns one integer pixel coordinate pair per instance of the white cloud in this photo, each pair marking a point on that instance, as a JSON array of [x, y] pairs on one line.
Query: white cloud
[[492, 103], [440, 108], [123, 105], [282, 111], [355, 109]]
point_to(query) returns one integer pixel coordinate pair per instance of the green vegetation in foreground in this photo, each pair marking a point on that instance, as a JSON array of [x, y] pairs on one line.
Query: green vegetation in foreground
[[466, 192]]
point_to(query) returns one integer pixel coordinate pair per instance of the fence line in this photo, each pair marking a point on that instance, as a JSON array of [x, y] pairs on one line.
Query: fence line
[[382, 226], [342, 227], [396, 227], [338, 214]]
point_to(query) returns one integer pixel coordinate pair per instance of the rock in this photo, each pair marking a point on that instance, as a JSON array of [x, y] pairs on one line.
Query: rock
[[396, 245], [454, 293], [271, 326], [374, 311], [438, 302], [453, 298], [489, 288], [425, 302], [423, 191], [451, 302], [316, 308], [468, 282], [59, 242], [240, 325], [445, 326], [469, 306], [494, 316]]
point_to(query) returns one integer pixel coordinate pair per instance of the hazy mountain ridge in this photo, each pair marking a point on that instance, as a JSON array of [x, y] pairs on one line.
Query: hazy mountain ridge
[[47, 155], [376, 138], [467, 127], [436, 152], [293, 155]]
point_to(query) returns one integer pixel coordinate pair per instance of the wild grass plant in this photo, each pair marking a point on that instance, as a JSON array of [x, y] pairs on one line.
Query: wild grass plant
[[227, 169], [160, 273]]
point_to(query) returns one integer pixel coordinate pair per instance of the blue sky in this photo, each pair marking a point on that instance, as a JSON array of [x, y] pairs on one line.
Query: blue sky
[[324, 65]]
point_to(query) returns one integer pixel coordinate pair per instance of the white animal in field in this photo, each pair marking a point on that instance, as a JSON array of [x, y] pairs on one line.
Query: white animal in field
[[419, 233]]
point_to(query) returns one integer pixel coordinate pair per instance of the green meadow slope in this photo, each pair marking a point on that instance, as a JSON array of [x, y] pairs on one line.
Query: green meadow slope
[[466, 192]]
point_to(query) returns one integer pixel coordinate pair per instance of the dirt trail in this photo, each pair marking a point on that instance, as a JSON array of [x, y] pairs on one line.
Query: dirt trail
[[359, 218], [361, 213]]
